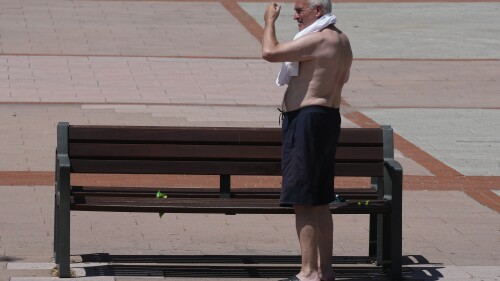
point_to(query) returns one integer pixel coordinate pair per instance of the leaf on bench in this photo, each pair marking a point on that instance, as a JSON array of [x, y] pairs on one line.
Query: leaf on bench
[[366, 203], [161, 195]]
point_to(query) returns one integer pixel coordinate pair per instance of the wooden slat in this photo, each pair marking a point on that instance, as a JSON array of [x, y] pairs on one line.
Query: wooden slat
[[361, 136], [204, 189], [352, 136], [210, 168], [126, 151], [359, 169], [190, 192], [174, 134], [145, 192], [175, 167], [198, 151], [212, 205], [359, 154]]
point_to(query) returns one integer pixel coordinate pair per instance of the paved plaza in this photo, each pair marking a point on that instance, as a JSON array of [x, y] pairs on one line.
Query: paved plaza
[[431, 70]]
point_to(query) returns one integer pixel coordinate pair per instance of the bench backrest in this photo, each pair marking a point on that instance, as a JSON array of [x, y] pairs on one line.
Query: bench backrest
[[205, 151]]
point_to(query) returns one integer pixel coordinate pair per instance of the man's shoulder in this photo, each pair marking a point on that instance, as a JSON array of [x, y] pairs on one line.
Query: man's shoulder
[[313, 36], [334, 38], [333, 33], [319, 38]]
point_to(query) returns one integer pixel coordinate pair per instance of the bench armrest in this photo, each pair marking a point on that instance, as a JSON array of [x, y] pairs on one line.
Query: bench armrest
[[62, 183], [63, 165], [62, 161], [393, 180]]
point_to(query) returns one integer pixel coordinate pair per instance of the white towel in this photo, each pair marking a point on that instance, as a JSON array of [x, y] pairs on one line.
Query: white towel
[[289, 69]]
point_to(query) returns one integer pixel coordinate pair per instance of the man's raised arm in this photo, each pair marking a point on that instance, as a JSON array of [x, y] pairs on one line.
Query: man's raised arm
[[269, 41]]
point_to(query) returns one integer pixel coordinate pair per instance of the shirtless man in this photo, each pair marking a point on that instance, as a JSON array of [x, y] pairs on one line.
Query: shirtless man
[[311, 126]]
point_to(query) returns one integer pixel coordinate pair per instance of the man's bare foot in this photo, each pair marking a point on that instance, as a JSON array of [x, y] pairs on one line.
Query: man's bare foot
[[327, 277], [309, 277]]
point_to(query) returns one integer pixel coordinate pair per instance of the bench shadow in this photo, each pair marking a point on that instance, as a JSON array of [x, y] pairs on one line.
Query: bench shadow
[[10, 259], [243, 266], [417, 267]]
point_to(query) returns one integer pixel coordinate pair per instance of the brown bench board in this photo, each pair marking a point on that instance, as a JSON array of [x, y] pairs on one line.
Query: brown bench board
[[212, 205], [187, 192]]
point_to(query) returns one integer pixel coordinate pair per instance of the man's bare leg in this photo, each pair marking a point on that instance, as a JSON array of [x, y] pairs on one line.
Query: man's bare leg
[[308, 231], [324, 217]]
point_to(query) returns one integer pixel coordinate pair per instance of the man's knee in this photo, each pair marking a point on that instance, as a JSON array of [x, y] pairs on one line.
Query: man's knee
[[310, 208], [303, 209]]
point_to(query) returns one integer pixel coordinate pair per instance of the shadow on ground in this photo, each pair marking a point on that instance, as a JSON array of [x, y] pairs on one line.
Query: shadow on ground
[[9, 259], [245, 266]]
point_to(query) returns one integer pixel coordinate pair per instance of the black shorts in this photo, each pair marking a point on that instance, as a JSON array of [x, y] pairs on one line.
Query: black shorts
[[309, 142]]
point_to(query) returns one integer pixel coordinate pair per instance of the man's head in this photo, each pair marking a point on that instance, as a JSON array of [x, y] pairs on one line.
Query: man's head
[[308, 11]]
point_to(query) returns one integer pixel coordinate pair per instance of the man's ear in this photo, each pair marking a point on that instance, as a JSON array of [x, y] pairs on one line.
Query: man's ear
[[319, 11]]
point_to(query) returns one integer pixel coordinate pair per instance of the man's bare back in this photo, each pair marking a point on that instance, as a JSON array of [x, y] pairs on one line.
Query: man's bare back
[[325, 60], [321, 78]]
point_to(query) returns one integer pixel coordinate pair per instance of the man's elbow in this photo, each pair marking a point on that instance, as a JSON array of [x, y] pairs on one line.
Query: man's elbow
[[269, 56]]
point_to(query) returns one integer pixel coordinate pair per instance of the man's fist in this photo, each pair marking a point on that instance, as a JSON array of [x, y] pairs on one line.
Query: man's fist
[[272, 12]]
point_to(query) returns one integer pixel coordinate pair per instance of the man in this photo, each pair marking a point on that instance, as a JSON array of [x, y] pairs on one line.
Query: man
[[318, 63]]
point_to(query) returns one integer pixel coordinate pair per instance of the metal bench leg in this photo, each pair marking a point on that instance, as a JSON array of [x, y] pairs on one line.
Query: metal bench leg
[[372, 248], [62, 215], [55, 212], [390, 256], [383, 240], [63, 243], [377, 183], [62, 232], [396, 239], [56, 230]]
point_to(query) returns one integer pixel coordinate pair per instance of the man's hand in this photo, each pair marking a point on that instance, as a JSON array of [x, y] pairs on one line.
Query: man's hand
[[272, 12]]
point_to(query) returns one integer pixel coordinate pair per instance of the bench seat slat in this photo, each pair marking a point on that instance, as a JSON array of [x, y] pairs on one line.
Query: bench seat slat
[[212, 205], [188, 189], [209, 167], [192, 192]]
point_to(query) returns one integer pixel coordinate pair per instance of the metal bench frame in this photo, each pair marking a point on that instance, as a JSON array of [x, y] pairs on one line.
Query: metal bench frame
[[385, 227]]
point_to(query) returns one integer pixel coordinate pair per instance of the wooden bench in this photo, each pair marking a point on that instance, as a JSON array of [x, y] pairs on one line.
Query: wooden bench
[[224, 152]]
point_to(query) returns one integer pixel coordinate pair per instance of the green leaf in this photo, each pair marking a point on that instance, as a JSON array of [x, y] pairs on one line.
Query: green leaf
[[160, 195]]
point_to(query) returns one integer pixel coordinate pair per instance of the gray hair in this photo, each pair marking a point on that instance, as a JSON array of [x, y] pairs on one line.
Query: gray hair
[[326, 5]]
